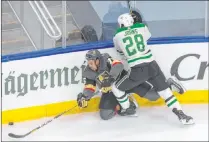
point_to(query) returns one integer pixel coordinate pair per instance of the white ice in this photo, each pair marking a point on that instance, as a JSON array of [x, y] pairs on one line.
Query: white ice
[[153, 123]]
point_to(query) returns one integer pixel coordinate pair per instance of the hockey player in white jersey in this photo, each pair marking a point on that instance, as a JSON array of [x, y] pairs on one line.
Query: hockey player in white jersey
[[131, 41]]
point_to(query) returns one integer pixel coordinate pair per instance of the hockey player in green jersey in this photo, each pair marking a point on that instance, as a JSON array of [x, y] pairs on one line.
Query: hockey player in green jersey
[[131, 41]]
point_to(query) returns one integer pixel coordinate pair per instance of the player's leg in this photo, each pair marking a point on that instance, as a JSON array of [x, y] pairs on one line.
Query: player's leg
[[135, 77], [140, 90], [122, 84], [127, 106], [108, 106], [162, 87], [145, 90], [128, 81]]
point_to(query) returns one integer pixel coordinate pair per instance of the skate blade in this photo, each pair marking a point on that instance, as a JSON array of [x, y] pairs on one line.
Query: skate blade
[[133, 115], [190, 122], [181, 88], [179, 84]]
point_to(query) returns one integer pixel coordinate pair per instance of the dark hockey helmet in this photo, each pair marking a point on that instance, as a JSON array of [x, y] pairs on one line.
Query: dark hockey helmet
[[93, 54]]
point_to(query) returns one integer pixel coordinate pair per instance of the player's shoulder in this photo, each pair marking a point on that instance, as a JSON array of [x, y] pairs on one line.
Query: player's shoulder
[[123, 29], [86, 71], [138, 25], [119, 30], [106, 56]]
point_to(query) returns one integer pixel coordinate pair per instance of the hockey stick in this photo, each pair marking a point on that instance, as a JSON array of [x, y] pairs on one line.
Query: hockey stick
[[129, 6], [47, 122], [35, 129]]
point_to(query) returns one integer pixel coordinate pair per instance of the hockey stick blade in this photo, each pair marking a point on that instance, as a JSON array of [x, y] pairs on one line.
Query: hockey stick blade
[[17, 136]]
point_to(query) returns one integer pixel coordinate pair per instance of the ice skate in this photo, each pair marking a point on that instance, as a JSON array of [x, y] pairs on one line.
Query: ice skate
[[131, 111], [183, 118], [131, 98], [176, 85]]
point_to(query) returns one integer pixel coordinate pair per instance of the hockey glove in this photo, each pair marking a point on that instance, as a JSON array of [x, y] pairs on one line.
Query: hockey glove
[[82, 100], [106, 89], [107, 82], [104, 79], [106, 85]]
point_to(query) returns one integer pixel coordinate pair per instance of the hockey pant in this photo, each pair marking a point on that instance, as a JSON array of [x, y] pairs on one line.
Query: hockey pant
[[147, 75], [109, 104]]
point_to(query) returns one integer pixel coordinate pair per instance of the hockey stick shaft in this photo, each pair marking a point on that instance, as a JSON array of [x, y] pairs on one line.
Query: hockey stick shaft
[[35, 129], [47, 122], [129, 6]]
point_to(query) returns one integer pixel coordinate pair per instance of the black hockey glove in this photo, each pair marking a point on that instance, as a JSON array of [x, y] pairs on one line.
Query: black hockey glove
[[105, 79], [107, 82], [82, 100], [106, 85]]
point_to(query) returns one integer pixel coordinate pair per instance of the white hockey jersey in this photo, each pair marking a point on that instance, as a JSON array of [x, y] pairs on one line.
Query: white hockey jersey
[[132, 43]]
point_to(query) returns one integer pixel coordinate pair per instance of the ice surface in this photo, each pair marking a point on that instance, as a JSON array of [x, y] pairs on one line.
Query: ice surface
[[153, 123]]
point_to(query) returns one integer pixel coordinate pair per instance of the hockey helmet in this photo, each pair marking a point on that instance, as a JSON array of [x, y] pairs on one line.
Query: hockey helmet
[[93, 54], [125, 20]]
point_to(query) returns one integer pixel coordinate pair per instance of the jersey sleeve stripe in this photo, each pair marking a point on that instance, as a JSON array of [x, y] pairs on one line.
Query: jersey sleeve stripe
[[140, 58], [90, 87], [116, 62]]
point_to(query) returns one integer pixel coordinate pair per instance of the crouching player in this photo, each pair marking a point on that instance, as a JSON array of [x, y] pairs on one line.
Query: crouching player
[[101, 71]]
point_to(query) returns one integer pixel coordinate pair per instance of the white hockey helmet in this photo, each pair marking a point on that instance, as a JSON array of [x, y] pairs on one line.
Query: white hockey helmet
[[125, 20]]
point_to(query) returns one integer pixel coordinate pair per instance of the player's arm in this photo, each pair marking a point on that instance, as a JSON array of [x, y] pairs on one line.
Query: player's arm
[[87, 94], [88, 91], [147, 33], [89, 88], [116, 67], [118, 49]]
